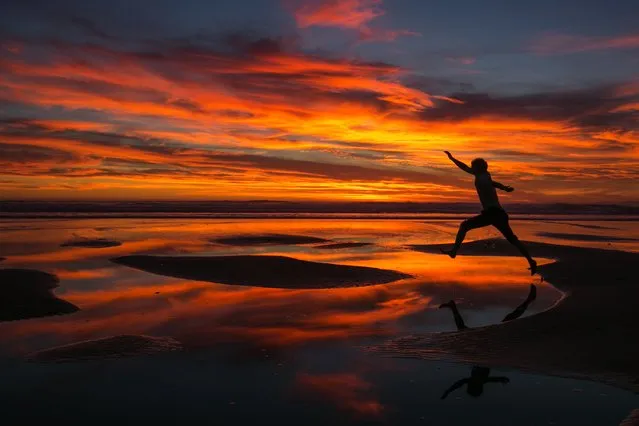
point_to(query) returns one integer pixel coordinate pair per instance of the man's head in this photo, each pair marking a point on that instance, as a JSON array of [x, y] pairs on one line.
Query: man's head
[[479, 165]]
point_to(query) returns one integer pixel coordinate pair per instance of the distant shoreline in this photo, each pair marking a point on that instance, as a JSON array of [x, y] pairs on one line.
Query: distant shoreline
[[263, 207]]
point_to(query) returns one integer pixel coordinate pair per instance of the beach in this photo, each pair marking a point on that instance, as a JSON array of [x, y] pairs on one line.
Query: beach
[[336, 319]]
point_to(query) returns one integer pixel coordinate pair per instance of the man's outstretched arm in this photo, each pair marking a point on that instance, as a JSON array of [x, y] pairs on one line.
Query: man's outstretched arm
[[458, 384], [459, 164], [503, 187]]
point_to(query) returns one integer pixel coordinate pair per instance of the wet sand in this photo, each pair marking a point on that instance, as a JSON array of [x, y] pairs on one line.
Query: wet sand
[[592, 333], [27, 293], [261, 271], [632, 419], [270, 239], [581, 225], [107, 348]]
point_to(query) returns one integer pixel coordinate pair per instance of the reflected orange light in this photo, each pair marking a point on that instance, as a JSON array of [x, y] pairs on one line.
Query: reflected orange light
[[346, 390]]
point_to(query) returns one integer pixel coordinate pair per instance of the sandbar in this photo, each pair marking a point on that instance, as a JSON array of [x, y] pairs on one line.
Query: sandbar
[[261, 271]]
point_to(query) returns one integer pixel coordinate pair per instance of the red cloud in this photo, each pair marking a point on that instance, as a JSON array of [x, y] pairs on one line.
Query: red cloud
[[351, 14], [348, 14], [553, 43]]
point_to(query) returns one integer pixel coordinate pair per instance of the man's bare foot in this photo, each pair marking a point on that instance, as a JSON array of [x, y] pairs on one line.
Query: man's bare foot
[[533, 267], [451, 253]]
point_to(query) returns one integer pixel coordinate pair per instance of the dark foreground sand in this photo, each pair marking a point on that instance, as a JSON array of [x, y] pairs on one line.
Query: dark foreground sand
[[268, 240], [27, 293], [107, 348], [261, 271], [592, 333], [91, 243], [632, 419]]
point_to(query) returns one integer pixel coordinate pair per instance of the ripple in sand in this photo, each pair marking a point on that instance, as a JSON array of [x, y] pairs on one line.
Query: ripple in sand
[[268, 239], [107, 348], [336, 246], [262, 271], [27, 293], [91, 243], [584, 237]]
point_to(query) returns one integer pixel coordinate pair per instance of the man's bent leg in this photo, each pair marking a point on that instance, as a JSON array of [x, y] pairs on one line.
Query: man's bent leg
[[474, 222]]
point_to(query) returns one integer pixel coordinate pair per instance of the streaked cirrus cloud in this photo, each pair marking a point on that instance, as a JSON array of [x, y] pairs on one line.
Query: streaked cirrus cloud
[[557, 43]]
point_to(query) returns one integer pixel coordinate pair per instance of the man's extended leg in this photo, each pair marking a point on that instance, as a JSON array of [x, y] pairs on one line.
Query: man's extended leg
[[474, 222], [504, 227]]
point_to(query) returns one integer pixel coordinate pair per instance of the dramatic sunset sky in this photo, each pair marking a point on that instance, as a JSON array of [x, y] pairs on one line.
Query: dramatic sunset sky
[[318, 99]]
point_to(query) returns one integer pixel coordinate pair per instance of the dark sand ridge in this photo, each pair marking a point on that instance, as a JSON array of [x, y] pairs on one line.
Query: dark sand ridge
[[590, 334], [586, 237], [107, 348], [580, 225], [261, 271], [91, 243], [267, 239], [27, 293], [334, 246]]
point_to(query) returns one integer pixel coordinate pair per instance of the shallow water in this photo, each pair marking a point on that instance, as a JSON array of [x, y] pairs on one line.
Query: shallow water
[[287, 355]]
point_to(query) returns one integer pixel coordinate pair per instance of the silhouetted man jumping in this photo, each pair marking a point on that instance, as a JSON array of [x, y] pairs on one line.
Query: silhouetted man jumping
[[492, 213]]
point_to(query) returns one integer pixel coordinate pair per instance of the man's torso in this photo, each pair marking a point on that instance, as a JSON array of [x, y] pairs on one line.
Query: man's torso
[[486, 191]]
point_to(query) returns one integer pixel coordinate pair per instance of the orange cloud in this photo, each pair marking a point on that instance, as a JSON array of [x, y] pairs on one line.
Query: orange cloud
[[261, 120], [553, 43]]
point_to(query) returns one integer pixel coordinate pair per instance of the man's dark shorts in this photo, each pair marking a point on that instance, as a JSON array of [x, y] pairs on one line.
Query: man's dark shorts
[[492, 216]]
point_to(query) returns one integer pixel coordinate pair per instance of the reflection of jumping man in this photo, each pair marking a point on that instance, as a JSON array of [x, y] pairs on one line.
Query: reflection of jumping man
[[479, 376], [492, 213]]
